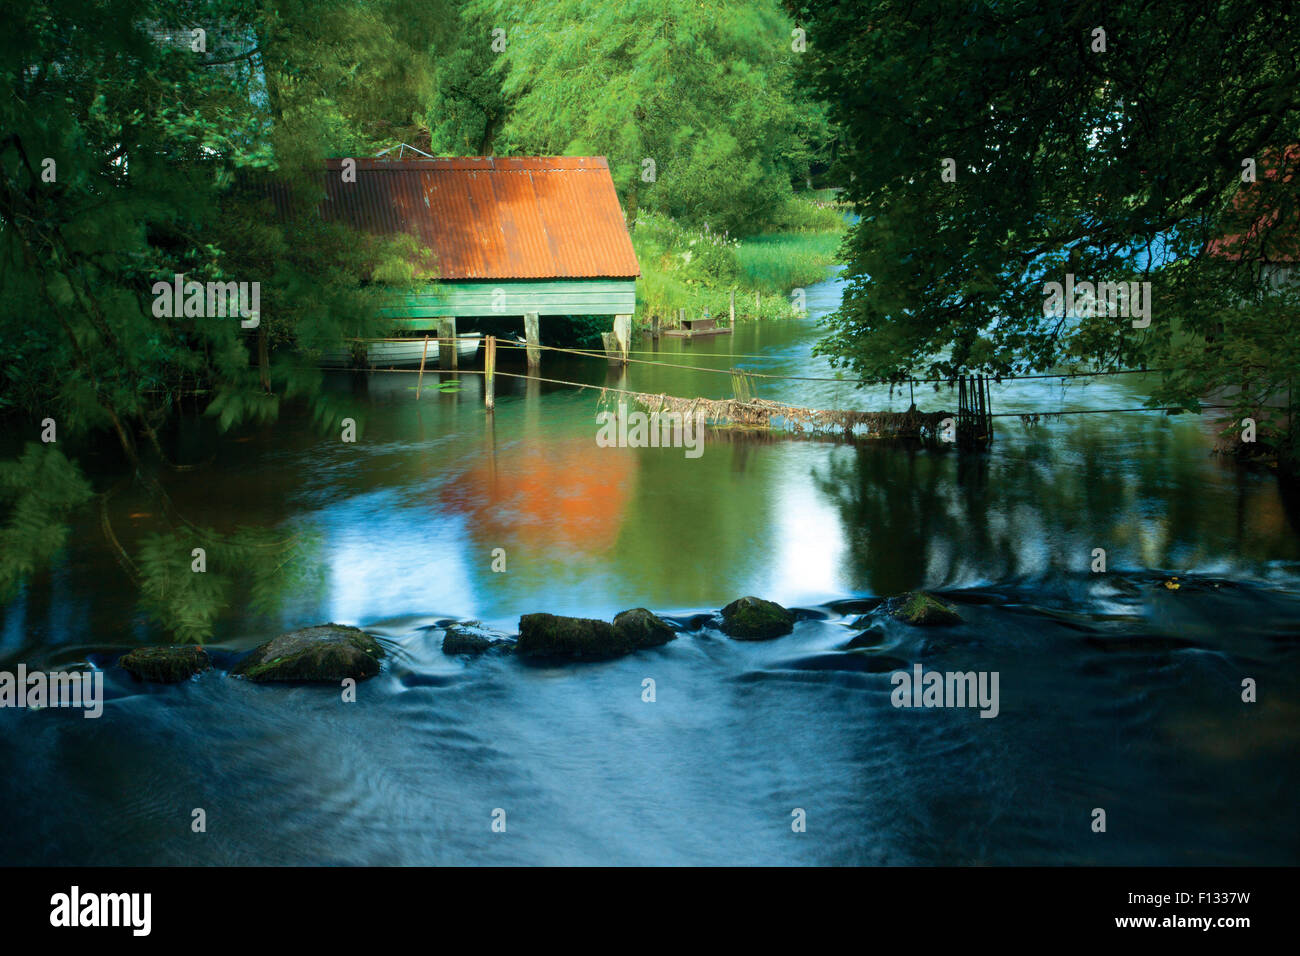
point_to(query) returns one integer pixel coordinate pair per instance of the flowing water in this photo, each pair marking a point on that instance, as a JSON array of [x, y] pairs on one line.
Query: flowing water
[[1116, 691]]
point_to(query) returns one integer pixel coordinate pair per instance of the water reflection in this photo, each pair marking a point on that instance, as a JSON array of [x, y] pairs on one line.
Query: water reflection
[[1113, 685]]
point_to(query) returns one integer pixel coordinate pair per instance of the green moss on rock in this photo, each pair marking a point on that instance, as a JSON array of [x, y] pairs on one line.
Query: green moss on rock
[[570, 638], [470, 637], [753, 619], [641, 628], [165, 665], [328, 652], [922, 610]]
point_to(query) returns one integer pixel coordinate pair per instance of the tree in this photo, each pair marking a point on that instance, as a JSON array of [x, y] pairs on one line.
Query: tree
[[137, 139], [996, 151], [692, 102]]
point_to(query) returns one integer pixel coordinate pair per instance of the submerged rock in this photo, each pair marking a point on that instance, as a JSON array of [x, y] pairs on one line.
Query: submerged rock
[[643, 629], [753, 619], [861, 661], [471, 638], [328, 652], [871, 637], [165, 665], [573, 638], [922, 610]]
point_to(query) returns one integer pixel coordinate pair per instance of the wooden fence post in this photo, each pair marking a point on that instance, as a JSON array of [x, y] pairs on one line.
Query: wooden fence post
[[447, 343], [610, 341], [533, 338], [623, 335]]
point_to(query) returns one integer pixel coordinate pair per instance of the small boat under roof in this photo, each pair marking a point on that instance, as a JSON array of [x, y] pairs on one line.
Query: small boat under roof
[[404, 353]]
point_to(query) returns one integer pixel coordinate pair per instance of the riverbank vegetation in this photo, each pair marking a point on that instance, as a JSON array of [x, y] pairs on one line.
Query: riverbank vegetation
[[133, 143], [997, 151], [699, 270]]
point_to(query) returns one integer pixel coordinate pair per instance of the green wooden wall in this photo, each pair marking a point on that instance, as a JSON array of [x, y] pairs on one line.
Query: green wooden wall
[[548, 297]]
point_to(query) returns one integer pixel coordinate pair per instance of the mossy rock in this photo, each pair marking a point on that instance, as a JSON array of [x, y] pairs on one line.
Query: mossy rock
[[922, 610], [328, 652], [165, 665], [471, 637], [753, 619], [643, 629], [570, 638]]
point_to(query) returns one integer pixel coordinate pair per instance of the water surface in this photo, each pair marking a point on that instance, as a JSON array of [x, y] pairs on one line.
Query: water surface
[[1117, 691]]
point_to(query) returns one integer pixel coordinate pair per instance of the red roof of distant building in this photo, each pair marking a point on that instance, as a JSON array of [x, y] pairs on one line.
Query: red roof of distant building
[[490, 217], [1267, 238]]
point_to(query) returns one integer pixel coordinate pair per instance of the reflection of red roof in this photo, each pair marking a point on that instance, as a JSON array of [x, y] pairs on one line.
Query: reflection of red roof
[[493, 217], [1268, 238]]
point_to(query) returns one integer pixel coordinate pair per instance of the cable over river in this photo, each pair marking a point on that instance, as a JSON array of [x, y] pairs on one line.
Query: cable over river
[[1118, 690]]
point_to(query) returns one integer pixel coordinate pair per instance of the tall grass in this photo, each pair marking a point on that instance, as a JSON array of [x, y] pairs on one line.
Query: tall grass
[[696, 270], [779, 262]]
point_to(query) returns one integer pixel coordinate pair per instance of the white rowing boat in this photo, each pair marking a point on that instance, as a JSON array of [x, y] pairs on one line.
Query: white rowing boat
[[405, 352]]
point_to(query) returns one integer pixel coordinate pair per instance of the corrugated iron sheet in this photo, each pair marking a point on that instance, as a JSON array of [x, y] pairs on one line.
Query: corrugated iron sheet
[[493, 217], [1268, 237]]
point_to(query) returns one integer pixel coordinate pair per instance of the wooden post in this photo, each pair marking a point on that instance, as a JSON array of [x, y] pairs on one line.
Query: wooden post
[[758, 304], [731, 306], [963, 413], [489, 372], [447, 343], [681, 318], [419, 381], [533, 338], [610, 341], [654, 328], [623, 335], [988, 411]]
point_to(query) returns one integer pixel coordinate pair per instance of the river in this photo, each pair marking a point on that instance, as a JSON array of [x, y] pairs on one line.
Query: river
[[1117, 692]]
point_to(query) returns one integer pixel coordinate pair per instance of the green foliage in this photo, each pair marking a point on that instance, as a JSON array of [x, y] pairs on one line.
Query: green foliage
[[467, 109], [695, 270], [780, 261], [162, 158], [38, 490], [257, 565], [703, 88], [1117, 165]]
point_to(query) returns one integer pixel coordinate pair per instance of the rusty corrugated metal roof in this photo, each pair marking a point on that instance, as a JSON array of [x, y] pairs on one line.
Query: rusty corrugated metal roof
[[493, 217], [1267, 238]]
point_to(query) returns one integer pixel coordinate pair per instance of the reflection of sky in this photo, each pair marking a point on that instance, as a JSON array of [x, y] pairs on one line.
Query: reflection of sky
[[810, 533], [386, 560]]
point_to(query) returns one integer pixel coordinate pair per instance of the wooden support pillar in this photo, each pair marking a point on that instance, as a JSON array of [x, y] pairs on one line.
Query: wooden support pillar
[[654, 328], [419, 380], [681, 318], [623, 335], [447, 343], [610, 341], [731, 306], [533, 340], [489, 373]]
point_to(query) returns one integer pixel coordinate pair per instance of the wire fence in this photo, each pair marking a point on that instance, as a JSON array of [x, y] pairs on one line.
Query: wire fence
[[739, 379]]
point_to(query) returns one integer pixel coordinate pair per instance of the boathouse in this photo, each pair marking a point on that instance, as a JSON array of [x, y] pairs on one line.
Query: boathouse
[[511, 236]]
